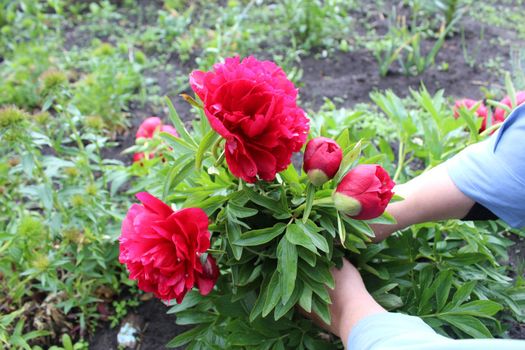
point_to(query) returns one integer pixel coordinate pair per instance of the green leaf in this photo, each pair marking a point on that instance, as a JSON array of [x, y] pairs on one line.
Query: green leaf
[[462, 294], [194, 317], [177, 143], [262, 236], [464, 259], [359, 226], [188, 336], [209, 139], [442, 285], [511, 91], [305, 300], [468, 324], [320, 273], [233, 232], [273, 294], [347, 162], [176, 175], [307, 255], [241, 212], [312, 231], [479, 308], [343, 139], [268, 203], [178, 124], [287, 266], [322, 310], [341, 229], [190, 300], [297, 236], [310, 194], [282, 308]]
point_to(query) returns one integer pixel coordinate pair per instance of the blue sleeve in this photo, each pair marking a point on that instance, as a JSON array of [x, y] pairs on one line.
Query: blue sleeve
[[392, 331], [492, 172]]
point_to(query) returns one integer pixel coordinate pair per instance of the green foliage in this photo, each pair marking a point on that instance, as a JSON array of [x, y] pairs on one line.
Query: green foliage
[[58, 221], [404, 44]]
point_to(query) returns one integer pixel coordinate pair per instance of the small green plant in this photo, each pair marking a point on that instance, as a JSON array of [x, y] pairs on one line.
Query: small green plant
[[12, 334], [121, 308], [404, 45]]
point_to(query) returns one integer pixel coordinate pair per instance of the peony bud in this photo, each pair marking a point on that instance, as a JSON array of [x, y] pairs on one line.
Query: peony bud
[[364, 192], [322, 158]]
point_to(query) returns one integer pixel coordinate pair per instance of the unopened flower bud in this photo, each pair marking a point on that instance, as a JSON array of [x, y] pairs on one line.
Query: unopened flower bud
[[364, 192], [322, 159]]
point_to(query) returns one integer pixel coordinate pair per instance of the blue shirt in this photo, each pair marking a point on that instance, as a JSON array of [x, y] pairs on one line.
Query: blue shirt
[[492, 172], [390, 331]]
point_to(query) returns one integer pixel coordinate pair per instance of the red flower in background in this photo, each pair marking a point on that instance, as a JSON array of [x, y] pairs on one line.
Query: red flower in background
[[500, 114], [252, 104], [149, 127], [364, 192], [481, 112], [162, 249]]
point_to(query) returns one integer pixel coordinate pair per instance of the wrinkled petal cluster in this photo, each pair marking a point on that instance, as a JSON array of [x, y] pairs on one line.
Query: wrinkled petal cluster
[[500, 114], [364, 192], [322, 158], [163, 249], [147, 130], [253, 106]]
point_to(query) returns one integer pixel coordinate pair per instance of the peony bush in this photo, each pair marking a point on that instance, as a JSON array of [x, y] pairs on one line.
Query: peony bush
[[238, 220], [237, 231]]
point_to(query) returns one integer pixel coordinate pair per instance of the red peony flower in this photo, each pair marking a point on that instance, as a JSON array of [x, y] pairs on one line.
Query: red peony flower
[[252, 104], [162, 249], [364, 192], [500, 114], [149, 127], [322, 158]]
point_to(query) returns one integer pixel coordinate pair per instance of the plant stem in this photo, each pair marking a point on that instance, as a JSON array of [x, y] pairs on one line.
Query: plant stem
[[325, 200], [400, 160]]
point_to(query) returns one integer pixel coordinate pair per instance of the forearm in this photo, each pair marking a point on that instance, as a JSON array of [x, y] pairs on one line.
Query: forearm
[[428, 197]]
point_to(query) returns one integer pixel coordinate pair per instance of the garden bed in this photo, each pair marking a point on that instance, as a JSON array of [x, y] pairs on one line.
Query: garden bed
[[345, 76]]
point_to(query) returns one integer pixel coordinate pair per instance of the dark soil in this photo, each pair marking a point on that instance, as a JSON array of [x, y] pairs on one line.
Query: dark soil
[[158, 328]]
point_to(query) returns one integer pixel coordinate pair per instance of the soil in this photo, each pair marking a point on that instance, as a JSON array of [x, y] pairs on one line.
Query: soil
[[157, 328], [346, 77]]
